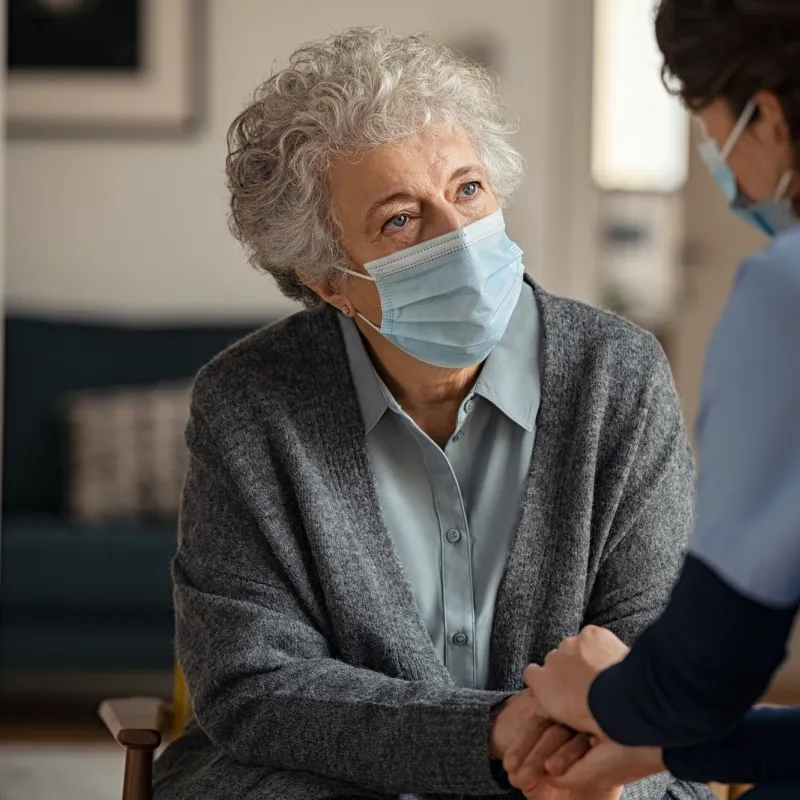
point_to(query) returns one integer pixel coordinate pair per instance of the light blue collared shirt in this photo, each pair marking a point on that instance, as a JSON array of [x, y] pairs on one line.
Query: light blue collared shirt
[[452, 513], [748, 432]]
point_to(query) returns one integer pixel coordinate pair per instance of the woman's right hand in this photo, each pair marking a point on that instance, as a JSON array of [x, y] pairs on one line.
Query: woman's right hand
[[515, 715]]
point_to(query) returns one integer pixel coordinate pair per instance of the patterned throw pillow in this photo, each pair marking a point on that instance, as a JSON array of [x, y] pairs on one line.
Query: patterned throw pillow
[[127, 456]]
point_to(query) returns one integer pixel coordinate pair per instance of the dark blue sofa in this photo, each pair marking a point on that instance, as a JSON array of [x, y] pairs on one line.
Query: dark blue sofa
[[75, 597]]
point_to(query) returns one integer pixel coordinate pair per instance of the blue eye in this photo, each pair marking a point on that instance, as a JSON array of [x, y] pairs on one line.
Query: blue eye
[[470, 189], [399, 221]]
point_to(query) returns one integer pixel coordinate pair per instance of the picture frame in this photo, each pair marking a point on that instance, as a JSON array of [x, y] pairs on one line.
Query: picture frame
[[159, 92]]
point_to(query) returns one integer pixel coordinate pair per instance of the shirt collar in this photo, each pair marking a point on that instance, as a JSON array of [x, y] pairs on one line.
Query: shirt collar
[[509, 379], [372, 398]]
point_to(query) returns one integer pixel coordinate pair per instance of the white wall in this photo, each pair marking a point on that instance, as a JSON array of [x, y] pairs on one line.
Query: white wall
[[716, 243], [139, 227]]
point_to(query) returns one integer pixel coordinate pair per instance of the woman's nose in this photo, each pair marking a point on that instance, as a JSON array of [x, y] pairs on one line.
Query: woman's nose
[[444, 218]]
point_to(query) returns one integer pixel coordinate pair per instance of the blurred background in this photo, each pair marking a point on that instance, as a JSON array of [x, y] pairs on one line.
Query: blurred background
[[121, 277]]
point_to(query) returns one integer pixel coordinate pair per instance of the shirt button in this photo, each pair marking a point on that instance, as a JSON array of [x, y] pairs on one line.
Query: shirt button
[[469, 406], [459, 436], [453, 535], [460, 638]]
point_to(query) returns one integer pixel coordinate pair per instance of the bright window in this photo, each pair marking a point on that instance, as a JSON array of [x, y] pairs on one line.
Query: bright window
[[640, 134]]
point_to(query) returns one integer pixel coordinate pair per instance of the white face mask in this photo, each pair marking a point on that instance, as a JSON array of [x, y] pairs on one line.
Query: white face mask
[[448, 301], [771, 216]]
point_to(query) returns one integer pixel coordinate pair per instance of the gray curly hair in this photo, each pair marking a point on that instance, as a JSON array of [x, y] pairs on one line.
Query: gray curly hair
[[340, 97]]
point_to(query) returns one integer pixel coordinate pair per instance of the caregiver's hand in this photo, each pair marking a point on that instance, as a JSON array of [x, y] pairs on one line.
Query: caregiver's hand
[[561, 686], [606, 766], [561, 749], [540, 739], [556, 746], [546, 791]]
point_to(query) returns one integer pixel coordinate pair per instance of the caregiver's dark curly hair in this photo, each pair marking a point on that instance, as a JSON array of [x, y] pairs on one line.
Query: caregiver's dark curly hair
[[731, 49]]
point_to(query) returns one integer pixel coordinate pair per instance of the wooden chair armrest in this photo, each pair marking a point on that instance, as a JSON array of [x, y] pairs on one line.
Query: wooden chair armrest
[[136, 723], [135, 720], [728, 792]]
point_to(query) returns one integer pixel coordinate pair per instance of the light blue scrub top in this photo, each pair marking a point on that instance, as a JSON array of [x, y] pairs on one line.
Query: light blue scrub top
[[452, 513], [748, 432]]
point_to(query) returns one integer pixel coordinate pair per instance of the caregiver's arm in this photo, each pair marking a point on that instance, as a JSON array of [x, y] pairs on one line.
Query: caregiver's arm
[[708, 659], [267, 684], [761, 747], [694, 673]]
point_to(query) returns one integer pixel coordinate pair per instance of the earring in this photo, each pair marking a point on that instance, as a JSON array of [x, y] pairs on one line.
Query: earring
[[346, 311]]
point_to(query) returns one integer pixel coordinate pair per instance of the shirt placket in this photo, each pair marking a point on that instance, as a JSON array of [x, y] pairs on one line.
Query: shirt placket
[[458, 587], [457, 593], [458, 614]]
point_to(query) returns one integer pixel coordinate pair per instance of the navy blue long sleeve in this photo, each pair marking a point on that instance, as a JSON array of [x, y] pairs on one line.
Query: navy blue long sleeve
[[691, 678], [694, 673], [761, 747]]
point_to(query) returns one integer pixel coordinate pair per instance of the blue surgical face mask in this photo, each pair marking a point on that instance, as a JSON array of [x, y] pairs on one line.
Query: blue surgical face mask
[[771, 216], [448, 301]]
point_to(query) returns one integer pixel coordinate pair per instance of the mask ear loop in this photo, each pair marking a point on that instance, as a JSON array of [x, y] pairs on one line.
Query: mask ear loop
[[783, 184], [354, 312], [738, 129], [371, 324], [356, 274]]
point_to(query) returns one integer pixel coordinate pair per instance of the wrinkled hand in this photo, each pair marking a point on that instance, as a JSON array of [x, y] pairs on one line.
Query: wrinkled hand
[[605, 767], [518, 714], [561, 686], [540, 745]]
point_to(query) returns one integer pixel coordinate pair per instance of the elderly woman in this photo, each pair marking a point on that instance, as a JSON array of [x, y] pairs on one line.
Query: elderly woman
[[402, 496]]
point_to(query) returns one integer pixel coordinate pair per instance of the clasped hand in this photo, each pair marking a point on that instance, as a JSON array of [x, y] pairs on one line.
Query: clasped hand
[[551, 745]]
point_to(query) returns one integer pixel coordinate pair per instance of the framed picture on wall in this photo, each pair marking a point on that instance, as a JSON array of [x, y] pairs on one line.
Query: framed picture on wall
[[103, 67]]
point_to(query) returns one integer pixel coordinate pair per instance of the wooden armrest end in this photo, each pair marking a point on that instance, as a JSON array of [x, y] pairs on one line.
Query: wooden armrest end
[[135, 722], [728, 792]]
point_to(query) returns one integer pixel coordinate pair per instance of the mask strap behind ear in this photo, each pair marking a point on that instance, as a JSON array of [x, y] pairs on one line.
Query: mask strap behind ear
[[783, 184], [356, 274], [738, 128]]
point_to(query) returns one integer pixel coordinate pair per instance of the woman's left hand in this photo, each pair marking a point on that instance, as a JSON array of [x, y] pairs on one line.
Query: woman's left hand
[[561, 686]]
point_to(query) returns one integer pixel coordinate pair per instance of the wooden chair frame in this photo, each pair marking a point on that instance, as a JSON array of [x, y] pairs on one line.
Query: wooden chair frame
[[140, 725]]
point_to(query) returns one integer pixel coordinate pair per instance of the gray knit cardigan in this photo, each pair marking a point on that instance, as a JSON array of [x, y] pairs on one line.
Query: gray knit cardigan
[[311, 671]]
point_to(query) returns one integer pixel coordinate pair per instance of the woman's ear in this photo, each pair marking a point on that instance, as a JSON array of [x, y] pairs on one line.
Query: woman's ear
[[327, 293], [770, 125]]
